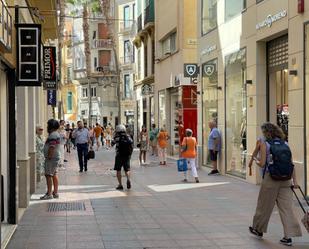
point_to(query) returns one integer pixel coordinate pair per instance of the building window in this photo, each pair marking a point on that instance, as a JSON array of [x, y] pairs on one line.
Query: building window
[[70, 102], [127, 51], [69, 73], [95, 62], [169, 44], [126, 16], [93, 91], [85, 92], [234, 8], [209, 15], [94, 35], [236, 113], [127, 87], [133, 11]]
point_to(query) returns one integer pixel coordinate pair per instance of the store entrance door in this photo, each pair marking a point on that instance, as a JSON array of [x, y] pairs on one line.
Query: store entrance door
[[278, 100], [277, 62]]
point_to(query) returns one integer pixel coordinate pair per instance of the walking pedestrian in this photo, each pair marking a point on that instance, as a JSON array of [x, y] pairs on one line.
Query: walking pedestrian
[[143, 138], [68, 143], [52, 159], [102, 137], [124, 149], [214, 146], [189, 153], [92, 135], [153, 134], [39, 141], [162, 138], [83, 140], [97, 132], [72, 138], [63, 138], [275, 191], [108, 136]]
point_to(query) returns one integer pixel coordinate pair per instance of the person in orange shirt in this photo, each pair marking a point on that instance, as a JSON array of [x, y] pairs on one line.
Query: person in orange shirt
[[162, 144], [97, 133], [189, 152]]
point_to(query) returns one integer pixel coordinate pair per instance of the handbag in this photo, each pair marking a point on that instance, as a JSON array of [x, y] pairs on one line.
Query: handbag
[[182, 165], [91, 154], [305, 219], [138, 145]]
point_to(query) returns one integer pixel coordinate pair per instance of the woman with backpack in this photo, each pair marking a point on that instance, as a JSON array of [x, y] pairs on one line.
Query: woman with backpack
[[276, 161]]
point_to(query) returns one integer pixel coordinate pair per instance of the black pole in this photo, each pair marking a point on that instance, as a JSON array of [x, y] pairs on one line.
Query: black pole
[[12, 210]]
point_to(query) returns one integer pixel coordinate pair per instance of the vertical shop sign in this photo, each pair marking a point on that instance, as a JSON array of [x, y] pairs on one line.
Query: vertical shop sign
[[49, 72], [28, 54], [301, 6], [51, 97]]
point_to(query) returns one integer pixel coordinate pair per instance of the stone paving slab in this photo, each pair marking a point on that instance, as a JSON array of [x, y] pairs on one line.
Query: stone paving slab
[[158, 212]]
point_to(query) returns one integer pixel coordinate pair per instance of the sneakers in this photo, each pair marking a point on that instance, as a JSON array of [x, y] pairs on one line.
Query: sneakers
[[46, 197], [120, 187], [285, 241], [185, 180], [255, 232], [213, 172], [128, 184], [55, 195]]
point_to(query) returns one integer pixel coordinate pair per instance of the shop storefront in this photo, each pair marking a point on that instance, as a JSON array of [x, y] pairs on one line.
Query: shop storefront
[[306, 103]]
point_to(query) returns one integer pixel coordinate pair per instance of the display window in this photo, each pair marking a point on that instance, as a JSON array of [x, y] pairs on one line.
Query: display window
[[162, 110], [236, 113], [210, 102], [307, 103]]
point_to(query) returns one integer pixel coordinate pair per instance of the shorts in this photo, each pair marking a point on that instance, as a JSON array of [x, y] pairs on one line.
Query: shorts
[[51, 168], [122, 162], [213, 155]]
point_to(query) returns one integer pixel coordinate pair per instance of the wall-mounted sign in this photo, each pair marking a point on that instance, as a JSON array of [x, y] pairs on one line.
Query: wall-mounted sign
[[52, 97], [301, 6], [270, 19], [191, 70], [5, 27], [49, 72], [209, 49], [147, 89], [28, 55], [209, 69]]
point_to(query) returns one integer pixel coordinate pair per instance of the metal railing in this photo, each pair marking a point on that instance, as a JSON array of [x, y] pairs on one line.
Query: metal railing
[[102, 43]]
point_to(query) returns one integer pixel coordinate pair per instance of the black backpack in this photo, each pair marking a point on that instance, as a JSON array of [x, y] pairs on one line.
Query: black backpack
[[125, 146], [280, 167]]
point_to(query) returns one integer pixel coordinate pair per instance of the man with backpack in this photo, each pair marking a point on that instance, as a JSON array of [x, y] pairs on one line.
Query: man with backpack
[[124, 149]]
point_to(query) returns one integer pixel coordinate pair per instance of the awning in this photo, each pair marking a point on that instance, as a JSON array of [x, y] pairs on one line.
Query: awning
[[48, 10]]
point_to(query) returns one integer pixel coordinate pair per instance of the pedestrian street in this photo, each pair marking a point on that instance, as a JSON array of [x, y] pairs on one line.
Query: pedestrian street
[[160, 211]]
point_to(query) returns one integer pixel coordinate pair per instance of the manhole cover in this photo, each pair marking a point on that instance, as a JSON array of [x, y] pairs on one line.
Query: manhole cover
[[66, 206]]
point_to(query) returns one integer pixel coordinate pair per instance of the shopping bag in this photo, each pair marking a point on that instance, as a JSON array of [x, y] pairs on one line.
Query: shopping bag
[[182, 165], [305, 219], [91, 154]]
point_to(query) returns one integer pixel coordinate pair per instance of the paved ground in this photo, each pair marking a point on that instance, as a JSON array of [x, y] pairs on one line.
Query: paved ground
[[159, 212]]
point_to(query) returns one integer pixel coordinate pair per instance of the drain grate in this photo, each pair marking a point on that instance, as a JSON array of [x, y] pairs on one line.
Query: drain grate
[[66, 206]]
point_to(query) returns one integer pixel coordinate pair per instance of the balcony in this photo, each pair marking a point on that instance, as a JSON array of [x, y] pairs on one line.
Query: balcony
[[102, 44], [126, 60], [149, 13], [126, 26]]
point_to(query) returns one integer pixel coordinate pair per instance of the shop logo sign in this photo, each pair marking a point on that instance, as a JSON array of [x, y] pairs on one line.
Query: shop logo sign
[[209, 69], [270, 19], [147, 89], [52, 97], [209, 49], [191, 70]]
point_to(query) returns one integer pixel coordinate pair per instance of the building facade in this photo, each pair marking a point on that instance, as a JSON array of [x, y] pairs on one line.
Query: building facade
[[253, 63], [125, 30], [176, 45], [144, 42]]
